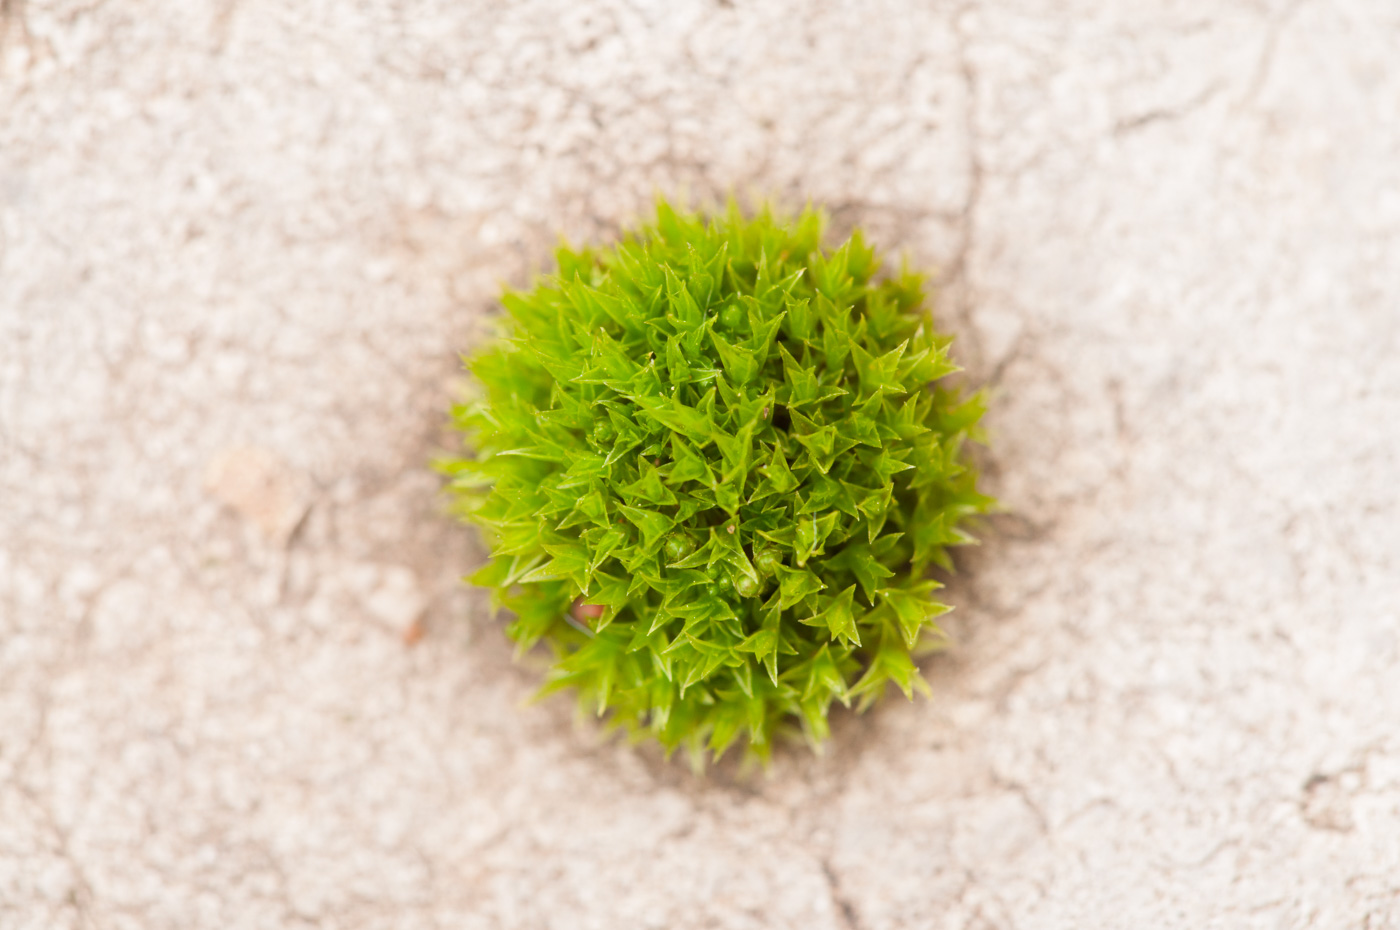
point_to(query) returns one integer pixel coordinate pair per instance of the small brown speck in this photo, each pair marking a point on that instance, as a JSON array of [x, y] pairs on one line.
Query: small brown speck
[[586, 612], [730, 528], [413, 633]]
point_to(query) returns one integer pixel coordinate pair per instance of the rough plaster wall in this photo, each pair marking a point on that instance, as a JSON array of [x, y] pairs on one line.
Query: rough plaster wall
[[240, 685]]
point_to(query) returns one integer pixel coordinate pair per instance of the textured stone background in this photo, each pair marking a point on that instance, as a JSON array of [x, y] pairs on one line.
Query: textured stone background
[[240, 686]]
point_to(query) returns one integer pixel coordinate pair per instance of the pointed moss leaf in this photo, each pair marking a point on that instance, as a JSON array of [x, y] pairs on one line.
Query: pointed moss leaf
[[885, 465], [892, 663], [663, 666], [812, 532], [729, 543], [570, 560], [801, 382], [878, 374], [913, 607], [820, 441], [838, 618], [763, 334], [800, 319], [702, 288], [609, 362], [586, 465], [740, 364], [860, 560], [643, 640], [780, 479], [661, 697], [646, 571], [742, 673], [593, 507], [661, 618], [689, 466], [761, 644], [821, 677], [756, 410], [729, 397], [908, 421], [674, 415], [598, 307], [502, 573], [652, 525], [795, 585], [608, 542], [682, 303], [648, 489], [824, 493], [875, 506], [736, 455], [728, 724], [677, 368], [624, 445], [860, 429], [609, 593], [764, 646], [727, 493], [927, 365]]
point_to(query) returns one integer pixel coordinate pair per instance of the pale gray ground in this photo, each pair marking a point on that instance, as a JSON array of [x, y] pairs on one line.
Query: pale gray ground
[[241, 241]]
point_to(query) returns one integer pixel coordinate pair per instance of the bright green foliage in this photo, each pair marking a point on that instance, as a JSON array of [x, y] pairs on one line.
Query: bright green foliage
[[734, 443]]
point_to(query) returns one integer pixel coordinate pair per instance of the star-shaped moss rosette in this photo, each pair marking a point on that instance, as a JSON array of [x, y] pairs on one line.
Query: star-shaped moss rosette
[[714, 464]]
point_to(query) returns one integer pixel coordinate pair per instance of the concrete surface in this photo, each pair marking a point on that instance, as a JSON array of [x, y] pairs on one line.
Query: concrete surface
[[240, 686]]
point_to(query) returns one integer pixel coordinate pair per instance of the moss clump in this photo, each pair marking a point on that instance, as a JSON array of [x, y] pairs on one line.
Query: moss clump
[[714, 463]]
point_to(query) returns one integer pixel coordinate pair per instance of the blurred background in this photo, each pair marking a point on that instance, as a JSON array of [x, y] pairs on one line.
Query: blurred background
[[241, 243]]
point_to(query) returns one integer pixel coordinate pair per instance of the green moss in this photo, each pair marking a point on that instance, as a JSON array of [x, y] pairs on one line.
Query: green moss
[[735, 444]]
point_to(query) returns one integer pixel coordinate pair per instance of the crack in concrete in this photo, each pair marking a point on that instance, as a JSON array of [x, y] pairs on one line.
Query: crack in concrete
[[1140, 121], [850, 917], [958, 269], [1276, 26]]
